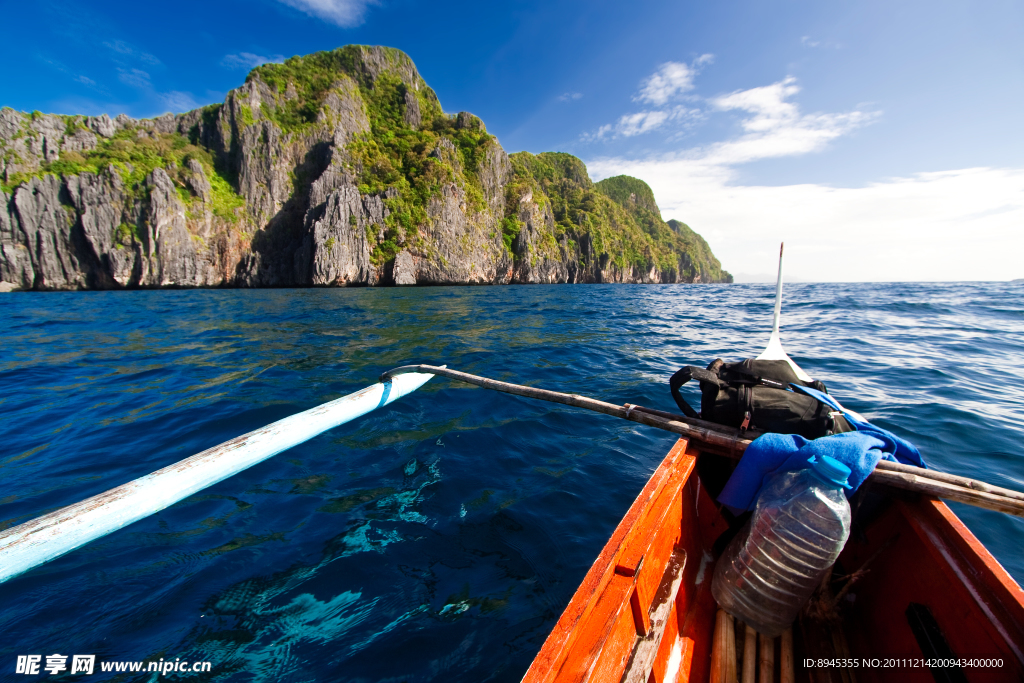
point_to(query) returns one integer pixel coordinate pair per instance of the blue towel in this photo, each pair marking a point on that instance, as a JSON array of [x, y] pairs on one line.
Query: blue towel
[[772, 454]]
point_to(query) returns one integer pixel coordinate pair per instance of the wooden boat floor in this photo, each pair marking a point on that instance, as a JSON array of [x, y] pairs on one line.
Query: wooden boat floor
[[925, 589]]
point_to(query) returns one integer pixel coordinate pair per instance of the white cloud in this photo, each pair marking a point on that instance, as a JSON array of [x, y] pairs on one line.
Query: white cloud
[[248, 60], [807, 42], [178, 102], [767, 103], [954, 225], [342, 13], [118, 46], [570, 96], [78, 78], [123, 48], [136, 78], [643, 122], [776, 128], [671, 79]]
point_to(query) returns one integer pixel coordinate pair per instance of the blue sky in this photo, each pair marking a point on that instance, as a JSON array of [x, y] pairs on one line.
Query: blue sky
[[881, 140]]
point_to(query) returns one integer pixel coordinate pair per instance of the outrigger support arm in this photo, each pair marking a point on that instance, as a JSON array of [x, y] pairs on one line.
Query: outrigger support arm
[[50, 536], [730, 442]]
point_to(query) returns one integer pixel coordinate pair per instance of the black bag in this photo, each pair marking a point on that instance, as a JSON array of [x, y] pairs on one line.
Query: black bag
[[755, 394]]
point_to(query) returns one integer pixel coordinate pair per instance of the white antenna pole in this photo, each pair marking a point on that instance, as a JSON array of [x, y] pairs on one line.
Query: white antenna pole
[[778, 296], [774, 350]]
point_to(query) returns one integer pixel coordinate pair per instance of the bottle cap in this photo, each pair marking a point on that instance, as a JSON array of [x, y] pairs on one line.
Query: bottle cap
[[831, 470]]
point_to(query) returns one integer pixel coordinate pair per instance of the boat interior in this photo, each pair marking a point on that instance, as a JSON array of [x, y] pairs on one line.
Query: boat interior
[[912, 587]]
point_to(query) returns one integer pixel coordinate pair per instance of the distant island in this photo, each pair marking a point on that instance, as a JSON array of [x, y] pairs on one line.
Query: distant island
[[338, 168]]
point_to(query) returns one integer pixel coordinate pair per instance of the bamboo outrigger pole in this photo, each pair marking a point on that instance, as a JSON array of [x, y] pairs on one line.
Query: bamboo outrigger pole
[[730, 442]]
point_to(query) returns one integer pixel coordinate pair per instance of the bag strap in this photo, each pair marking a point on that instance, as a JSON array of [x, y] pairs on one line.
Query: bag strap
[[820, 396], [684, 375]]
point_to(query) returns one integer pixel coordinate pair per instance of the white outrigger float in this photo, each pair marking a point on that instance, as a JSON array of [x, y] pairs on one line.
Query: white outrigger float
[[50, 536]]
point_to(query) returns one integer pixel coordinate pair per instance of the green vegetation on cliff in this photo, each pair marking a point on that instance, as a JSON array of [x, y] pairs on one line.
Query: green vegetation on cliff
[[401, 150], [365, 113], [629, 191], [618, 216], [396, 156], [133, 153]]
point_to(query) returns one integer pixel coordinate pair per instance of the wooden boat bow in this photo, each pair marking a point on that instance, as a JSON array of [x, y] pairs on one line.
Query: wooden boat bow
[[930, 592]]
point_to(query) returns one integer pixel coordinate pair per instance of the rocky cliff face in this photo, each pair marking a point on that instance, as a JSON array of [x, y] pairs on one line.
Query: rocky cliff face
[[338, 168]]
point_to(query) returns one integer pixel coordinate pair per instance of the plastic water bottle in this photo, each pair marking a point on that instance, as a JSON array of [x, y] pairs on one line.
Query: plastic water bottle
[[799, 527]]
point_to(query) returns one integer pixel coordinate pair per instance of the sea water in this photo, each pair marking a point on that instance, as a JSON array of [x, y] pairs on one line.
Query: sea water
[[440, 538]]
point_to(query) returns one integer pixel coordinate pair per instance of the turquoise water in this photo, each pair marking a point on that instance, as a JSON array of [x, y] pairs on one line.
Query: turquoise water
[[440, 538]]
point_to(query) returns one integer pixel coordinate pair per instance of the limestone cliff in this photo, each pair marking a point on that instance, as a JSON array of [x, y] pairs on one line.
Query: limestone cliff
[[338, 168]]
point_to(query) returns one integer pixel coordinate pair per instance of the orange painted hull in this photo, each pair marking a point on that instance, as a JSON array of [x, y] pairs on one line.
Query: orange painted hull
[[644, 610]]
